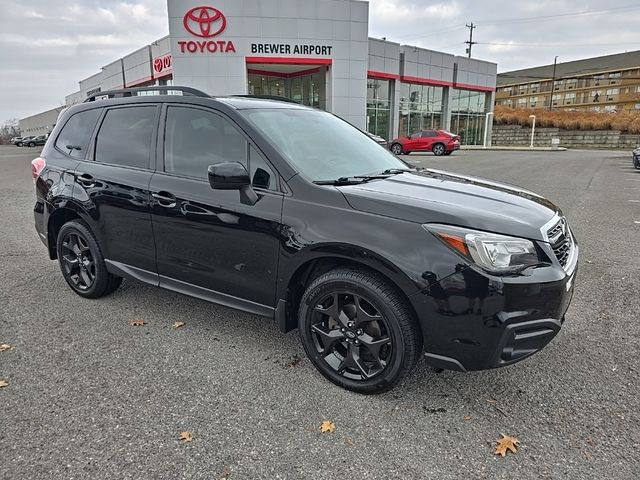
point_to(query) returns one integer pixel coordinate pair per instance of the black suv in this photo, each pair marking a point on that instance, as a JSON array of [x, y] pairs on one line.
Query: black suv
[[291, 213]]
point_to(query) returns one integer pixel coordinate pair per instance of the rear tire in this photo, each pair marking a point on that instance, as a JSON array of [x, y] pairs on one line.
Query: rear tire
[[438, 149], [358, 330], [82, 263], [397, 149]]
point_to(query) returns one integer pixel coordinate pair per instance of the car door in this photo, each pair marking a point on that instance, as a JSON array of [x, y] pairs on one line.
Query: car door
[[413, 142], [209, 243], [113, 186], [428, 137]]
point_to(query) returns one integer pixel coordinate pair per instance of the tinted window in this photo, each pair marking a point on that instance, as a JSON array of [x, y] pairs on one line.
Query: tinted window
[[76, 133], [429, 133], [195, 139], [125, 137], [261, 173]]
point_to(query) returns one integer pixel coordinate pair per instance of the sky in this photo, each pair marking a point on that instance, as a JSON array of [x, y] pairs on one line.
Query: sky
[[47, 46]]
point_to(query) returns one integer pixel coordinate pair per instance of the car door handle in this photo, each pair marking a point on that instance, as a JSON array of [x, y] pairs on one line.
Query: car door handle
[[165, 199], [86, 180]]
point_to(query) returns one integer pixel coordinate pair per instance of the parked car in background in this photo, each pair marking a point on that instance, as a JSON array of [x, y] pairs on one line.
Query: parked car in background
[[35, 141], [379, 140], [22, 140], [440, 142], [636, 158], [291, 213], [15, 140]]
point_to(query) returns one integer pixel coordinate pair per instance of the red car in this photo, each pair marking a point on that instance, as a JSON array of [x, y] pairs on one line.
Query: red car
[[440, 142]]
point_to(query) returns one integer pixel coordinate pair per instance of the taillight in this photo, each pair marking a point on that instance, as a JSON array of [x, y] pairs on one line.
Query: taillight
[[37, 165]]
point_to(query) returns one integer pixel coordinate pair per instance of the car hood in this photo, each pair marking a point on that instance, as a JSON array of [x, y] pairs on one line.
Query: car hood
[[433, 196]]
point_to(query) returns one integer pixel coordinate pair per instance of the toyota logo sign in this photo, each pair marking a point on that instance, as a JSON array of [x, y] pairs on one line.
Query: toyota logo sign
[[205, 22]]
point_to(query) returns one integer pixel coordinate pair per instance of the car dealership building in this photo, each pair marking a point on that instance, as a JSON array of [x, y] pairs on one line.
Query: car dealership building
[[317, 52]]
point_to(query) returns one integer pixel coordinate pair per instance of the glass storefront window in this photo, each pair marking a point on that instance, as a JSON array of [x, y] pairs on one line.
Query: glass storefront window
[[420, 108], [306, 89], [379, 107], [467, 115]]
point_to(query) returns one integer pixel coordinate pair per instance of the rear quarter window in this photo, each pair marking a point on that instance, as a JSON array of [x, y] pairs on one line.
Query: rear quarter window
[[75, 136]]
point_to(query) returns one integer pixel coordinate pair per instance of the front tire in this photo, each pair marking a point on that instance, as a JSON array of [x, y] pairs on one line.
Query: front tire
[[82, 263], [358, 330], [396, 149], [31, 144], [438, 149]]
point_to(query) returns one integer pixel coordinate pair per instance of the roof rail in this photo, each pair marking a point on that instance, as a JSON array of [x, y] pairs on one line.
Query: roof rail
[[133, 92], [269, 97]]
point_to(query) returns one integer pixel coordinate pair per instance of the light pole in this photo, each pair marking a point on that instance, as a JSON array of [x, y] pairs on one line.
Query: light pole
[[533, 129], [553, 82], [486, 127]]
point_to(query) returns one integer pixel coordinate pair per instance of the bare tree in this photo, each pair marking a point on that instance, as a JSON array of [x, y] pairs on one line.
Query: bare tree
[[10, 128]]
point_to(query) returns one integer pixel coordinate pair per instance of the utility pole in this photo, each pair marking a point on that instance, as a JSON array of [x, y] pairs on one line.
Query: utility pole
[[470, 42], [553, 82]]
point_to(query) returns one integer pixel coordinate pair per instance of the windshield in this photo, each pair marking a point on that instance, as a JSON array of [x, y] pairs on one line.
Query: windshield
[[321, 146]]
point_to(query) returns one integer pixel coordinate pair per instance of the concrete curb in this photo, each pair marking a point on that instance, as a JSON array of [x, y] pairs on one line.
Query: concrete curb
[[514, 148]]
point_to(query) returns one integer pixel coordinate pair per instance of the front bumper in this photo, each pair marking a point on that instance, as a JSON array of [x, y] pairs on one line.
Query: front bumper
[[474, 321]]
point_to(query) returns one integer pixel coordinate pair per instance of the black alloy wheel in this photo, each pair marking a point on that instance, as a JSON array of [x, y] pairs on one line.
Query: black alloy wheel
[[396, 149], [77, 261], [358, 330], [438, 149], [82, 263]]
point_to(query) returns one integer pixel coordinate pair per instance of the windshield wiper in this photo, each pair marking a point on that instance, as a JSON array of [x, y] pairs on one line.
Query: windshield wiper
[[395, 171], [354, 180]]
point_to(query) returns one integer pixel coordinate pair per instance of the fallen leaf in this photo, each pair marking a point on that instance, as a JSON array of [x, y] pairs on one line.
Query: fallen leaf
[[349, 441], [226, 473], [178, 324], [467, 418], [506, 443], [186, 436], [491, 401], [328, 426], [137, 323], [4, 383], [4, 347], [293, 362]]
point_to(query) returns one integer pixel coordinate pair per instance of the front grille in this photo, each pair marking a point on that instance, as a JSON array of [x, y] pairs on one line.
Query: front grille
[[561, 242]]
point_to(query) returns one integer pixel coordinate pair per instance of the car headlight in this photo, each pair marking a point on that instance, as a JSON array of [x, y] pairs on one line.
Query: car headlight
[[497, 254]]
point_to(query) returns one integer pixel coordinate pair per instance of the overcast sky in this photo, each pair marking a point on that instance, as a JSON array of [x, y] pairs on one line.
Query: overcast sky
[[47, 46]]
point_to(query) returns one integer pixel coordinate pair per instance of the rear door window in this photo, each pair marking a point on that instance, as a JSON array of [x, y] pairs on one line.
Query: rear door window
[[125, 136], [76, 133]]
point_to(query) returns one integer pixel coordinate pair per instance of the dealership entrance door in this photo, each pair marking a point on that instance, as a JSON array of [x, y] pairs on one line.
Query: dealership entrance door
[[304, 83]]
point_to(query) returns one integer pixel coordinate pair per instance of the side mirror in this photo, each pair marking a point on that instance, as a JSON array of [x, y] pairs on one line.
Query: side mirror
[[228, 176]]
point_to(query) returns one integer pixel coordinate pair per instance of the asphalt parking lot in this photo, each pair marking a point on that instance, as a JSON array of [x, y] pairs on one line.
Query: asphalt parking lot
[[90, 397]]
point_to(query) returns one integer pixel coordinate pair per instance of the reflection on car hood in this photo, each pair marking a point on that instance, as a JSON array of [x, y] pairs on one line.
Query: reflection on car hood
[[432, 196]]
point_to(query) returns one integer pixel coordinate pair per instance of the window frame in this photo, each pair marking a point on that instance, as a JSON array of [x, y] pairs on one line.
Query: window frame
[[89, 149], [151, 166], [278, 188]]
